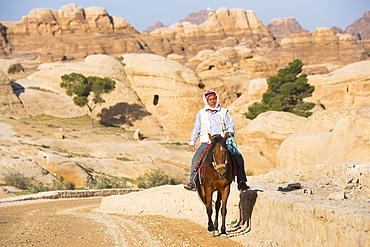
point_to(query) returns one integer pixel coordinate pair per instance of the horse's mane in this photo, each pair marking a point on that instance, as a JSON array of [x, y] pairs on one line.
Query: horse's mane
[[218, 139]]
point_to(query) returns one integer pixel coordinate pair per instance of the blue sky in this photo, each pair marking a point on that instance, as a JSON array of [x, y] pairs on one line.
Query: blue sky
[[144, 13]]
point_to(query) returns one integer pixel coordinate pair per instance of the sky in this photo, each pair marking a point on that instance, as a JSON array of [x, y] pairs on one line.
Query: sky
[[142, 14]]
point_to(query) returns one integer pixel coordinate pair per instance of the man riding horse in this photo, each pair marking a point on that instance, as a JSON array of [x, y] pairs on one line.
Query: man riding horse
[[216, 121]]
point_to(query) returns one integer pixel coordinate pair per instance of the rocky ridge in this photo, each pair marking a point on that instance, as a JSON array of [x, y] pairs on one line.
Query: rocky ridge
[[284, 27], [360, 29]]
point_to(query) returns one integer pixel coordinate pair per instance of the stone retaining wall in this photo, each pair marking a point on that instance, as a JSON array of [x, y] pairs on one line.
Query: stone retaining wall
[[69, 194], [292, 223], [360, 171]]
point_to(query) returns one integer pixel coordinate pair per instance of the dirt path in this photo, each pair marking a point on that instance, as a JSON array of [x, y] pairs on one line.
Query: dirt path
[[71, 222]]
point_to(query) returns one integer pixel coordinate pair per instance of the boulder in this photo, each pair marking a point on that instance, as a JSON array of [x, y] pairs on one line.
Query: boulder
[[11, 68], [41, 93], [320, 47], [268, 130], [64, 167], [257, 65], [337, 135], [9, 102], [345, 87], [215, 65], [284, 27], [168, 90]]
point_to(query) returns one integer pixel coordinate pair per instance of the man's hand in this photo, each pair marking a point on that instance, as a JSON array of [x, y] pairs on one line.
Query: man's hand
[[191, 148]]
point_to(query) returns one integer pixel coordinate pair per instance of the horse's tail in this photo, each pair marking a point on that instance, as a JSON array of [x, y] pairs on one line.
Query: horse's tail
[[199, 187]]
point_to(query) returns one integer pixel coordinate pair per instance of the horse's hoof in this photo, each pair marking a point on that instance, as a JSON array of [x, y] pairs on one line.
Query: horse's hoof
[[210, 234], [223, 235], [216, 233]]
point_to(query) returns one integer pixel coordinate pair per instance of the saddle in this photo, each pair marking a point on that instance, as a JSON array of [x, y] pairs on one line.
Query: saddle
[[199, 167]]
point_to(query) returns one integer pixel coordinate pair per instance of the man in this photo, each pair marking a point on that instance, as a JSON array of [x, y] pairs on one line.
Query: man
[[214, 120]]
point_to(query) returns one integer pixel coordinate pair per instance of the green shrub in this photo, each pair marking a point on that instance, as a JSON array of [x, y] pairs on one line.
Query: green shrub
[[285, 92], [249, 172], [104, 181], [154, 179], [16, 179]]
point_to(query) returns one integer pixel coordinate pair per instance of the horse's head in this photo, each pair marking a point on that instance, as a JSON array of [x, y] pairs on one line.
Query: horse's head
[[219, 154]]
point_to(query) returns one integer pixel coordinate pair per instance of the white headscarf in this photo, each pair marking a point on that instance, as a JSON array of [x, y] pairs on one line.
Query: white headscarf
[[208, 107]]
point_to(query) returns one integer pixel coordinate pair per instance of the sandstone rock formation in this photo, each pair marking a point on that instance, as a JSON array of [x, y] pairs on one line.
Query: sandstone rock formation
[[257, 65], [9, 103], [337, 135], [284, 27], [65, 32], [360, 29], [321, 47], [157, 25], [3, 40], [74, 33], [336, 30], [168, 90], [41, 93], [253, 92], [267, 131], [11, 68], [223, 28], [346, 87]]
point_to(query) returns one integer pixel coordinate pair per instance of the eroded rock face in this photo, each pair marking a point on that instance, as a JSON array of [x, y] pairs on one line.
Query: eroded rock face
[[168, 90], [284, 27], [345, 87], [9, 103], [338, 135], [68, 31], [257, 65], [225, 27], [198, 17], [321, 47], [267, 131], [360, 29], [42, 94], [11, 68]]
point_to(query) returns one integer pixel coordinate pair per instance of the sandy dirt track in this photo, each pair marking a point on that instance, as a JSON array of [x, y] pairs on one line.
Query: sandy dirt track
[[72, 222]]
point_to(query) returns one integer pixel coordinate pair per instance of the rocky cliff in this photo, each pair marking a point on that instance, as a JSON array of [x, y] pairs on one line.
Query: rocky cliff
[[198, 17], [154, 27], [360, 29], [285, 26], [74, 33]]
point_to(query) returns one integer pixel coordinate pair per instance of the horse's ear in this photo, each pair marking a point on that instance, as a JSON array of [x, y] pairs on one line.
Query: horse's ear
[[210, 137], [226, 136]]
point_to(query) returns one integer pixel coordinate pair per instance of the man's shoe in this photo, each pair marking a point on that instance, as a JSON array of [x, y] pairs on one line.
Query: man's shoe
[[242, 186], [190, 186]]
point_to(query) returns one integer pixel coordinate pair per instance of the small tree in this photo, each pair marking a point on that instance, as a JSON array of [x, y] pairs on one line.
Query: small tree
[[285, 92], [87, 90]]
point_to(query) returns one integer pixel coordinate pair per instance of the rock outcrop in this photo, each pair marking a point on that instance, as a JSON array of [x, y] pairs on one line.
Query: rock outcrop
[[321, 48], [157, 25], [360, 29], [346, 87], [338, 135], [267, 131], [223, 28], [167, 89], [336, 30], [284, 27], [198, 17], [10, 105], [69, 32], [11, 68]]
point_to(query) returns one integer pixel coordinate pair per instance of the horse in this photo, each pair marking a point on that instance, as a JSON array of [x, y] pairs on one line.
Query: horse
[[219, 171]]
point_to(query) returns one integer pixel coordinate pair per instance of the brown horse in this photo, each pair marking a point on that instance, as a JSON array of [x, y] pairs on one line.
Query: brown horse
[[219, 172]]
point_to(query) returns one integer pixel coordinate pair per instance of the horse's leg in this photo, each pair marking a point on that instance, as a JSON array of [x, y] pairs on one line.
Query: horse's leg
[[218, 205], [209, 212], [225, 196]]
